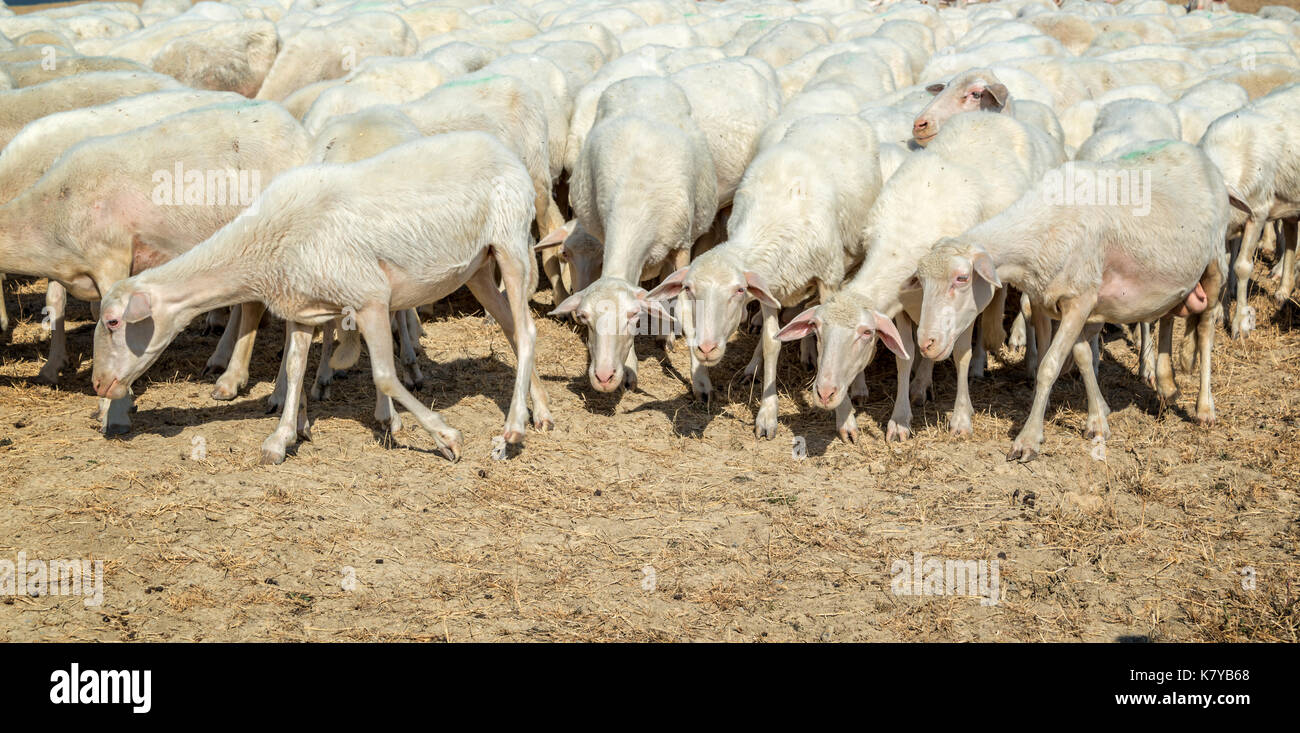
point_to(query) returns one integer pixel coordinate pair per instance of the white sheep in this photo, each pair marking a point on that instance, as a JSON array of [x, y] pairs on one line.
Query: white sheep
[[795, 230], [1152, 250], [329, 51], [119, 204], [1257, 148], [390, 232], [977, 165], [644, 186]]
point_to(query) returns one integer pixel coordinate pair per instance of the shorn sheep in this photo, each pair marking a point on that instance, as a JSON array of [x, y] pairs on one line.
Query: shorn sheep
[[644, 186], [391, 232], [1087, 252], [975, 167], [795, 230]]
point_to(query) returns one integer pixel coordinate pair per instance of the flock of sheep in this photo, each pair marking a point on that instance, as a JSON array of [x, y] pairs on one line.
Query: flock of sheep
[[862, 171]]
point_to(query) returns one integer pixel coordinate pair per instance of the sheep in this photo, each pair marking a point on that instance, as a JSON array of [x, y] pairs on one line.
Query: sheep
[[1154, 254], [795, 229], [645, 187], [1124, 122], [26, 158], [29, 73], [378, 80], [1204, 103], [980, 89], [118, 204], [20, 106], [977, 165], [330, 51], [787, 41], [503, 106], [232, 56], [732, 103], [1259, 81], [387, 233], [552, 87], [1257, 149], [348, 139], [588, 98]]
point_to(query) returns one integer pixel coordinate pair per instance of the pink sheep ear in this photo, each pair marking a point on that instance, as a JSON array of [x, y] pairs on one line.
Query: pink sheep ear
[[889, 335], [670, 287], [757, 288], [983, 266], [138, 307], [994, 97], [802, 325]]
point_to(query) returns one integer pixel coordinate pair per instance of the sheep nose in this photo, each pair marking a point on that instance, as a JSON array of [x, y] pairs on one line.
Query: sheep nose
[[826, 394], [927, 346], [920, 126], [707, 348], [604, 376]]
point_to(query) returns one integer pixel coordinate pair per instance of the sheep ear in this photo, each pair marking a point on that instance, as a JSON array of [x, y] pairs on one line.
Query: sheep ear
[[913, 284], [654, 307], [935, 88], [670, 287], [138, 307], [994, 97], [889, 335], [1237, 200], [802, 325], [568, 305], [758, 288], [556, 237], [983, 266]]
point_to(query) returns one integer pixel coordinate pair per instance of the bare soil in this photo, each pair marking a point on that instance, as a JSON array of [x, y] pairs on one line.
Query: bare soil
[[560, 541]]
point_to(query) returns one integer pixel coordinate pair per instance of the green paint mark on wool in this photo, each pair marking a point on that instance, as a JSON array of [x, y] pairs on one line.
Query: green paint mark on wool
[[1147, 151], [472, 82]]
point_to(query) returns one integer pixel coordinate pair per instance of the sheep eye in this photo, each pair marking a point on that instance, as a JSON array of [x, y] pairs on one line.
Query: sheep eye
[[963, 279], [112, 323], [975, 95]]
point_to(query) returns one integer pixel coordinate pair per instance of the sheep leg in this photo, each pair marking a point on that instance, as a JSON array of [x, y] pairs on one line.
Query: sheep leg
[[1073, 316], [924, 380], [226, 344], [115, 415], [701, 385], [808, 352], [407, 338], [1243, 321], [765, 424], [372, 321], [900, 422], [293, 420], [1289, 232], [4, 312], [992, 334], [1147, 350], [681, 258], [1187, 351], [1211, 282], [56, 302], [1097, 407], [962, 352], [320, 388], [235, 377], [505, 311], [1166, 387], [756, 360], [553, 268], [1041, 337]]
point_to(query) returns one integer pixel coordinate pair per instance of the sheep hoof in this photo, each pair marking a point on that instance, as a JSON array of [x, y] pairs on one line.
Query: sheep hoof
[[46, 378], [543, 423], [272, 456], [224, 392], [702, 394], [897, 432], [1023, 454], [513, 437], [849, 434], [629, 381]]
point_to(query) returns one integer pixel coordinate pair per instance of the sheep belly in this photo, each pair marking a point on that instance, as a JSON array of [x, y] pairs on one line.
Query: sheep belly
[[434, 281], [1131, 293]]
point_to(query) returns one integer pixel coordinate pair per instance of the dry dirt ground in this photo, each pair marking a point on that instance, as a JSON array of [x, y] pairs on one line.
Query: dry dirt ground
[[558, 542]]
